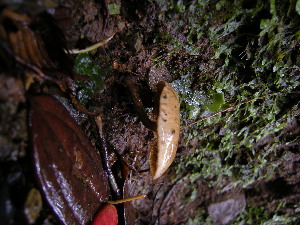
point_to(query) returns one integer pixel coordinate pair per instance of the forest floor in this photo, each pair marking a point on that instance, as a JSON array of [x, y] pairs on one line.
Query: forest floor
[[241, 166]]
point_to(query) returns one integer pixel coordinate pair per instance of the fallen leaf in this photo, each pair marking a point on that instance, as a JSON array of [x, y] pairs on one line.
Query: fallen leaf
[[68, 168]]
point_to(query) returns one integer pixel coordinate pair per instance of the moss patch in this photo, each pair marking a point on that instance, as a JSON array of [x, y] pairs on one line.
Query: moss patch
[[234, 52]]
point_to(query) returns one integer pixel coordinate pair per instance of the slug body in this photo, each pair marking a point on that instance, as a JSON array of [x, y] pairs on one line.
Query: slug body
[[168, 127]]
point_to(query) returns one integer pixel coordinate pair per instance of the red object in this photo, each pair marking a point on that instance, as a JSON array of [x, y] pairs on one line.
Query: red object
[[106, 216]]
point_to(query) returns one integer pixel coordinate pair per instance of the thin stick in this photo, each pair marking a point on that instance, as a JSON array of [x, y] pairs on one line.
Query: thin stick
[[127, 199], [104, 154], [90, 48], [225, 110]]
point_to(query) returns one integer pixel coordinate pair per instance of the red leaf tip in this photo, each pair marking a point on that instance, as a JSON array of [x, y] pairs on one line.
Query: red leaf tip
[[107, 215]]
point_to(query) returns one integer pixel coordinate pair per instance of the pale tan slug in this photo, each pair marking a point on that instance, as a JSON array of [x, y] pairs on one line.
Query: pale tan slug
[[168, 121], [166, 128]]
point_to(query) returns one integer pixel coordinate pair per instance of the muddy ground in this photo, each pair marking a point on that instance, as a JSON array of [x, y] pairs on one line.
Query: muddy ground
[[142, 47]]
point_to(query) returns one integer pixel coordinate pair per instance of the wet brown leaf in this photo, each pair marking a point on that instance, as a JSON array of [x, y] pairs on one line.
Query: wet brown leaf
[[67, 166], [35, 42]]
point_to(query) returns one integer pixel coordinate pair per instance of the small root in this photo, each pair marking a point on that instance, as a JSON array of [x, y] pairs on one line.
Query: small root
[[127, 199], [90, 48]]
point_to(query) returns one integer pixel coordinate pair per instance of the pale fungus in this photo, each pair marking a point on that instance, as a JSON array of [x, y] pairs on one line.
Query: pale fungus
[[166, 128]]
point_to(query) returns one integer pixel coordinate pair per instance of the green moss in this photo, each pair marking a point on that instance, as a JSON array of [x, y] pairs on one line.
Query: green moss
[[259, 215], [85, 66], [298, 7], [217, 101], [253, 56], [171, 5], [200, 218], [114, 9], [253, 215]]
